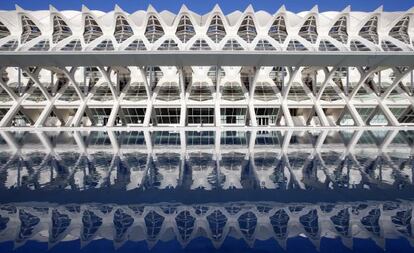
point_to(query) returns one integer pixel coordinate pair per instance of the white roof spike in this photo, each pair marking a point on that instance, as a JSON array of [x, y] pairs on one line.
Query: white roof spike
[[151, 9], [249, 9], [84, 8], [118, 9], [379, 9], [183, 8], [411, 10], [216, 8], [347, 9], [281, 9], [52, 8], [315, 9], [18, 8]]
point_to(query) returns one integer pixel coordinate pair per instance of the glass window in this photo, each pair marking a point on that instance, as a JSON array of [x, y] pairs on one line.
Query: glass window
[[329, 94], [365, 113], [247, 29], [269, 138], [295, 45], [357, 45], [136, 92], [92, 30], [266, 116], [10, 45], [167, 116], [122, 29], [168, 45], [264, 92], [100, 116], [61, 30], [105, 45], [200, 44], [278, 75], [216, 31], [133, 115], [407, 117], [400, 30], [278, 30], [297, 93], [398, 111], [30, 30], [339, 31], [74, 45], [370, 30], [200, 91], [136, 45], [133, 138], [389, 46], [103, 93], [264, 45], [379, 118], [169, 91], [42, 45], [154, 30], [232, 91], [232, 44], [233, 138], [200, 138], [309, 31], [4, 31], [326, 45], [166, 138], [200, 116], [185, 29], [233, 116]]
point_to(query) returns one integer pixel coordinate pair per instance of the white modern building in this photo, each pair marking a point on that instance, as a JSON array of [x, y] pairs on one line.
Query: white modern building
[[249, 68]]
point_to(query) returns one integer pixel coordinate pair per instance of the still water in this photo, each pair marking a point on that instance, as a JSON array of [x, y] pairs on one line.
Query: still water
[[224, 191]]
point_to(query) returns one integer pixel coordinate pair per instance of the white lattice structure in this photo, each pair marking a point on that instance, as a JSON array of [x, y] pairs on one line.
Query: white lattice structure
[[149, 68]]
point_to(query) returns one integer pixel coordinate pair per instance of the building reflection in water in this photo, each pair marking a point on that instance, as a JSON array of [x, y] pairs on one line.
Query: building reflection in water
[[194, 161], [207, 160], [251, 222]]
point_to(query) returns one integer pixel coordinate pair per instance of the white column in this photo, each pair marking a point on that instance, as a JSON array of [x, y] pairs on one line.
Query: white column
[[286, 114], [183, 111], [113, 115], [79, 114], [217, 98], [251, 97], [148, 111]]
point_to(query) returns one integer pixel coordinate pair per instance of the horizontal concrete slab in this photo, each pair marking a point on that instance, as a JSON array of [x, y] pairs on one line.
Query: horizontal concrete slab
[[206, 58]]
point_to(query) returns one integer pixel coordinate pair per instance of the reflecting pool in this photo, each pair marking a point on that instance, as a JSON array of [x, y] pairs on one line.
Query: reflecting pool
[[224, 191]]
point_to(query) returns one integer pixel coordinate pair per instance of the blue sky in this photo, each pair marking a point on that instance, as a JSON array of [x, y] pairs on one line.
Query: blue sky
[[204, 6]]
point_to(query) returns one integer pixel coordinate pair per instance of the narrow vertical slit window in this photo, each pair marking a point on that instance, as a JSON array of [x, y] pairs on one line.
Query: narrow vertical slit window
[[185, 29], [123, 30], [216, 31], [247, 30], [154, 30], [61, 30], [278, 30], [92, 30]]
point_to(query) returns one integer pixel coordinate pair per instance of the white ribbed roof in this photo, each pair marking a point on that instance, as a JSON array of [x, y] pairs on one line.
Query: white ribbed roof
[[247, 30]]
